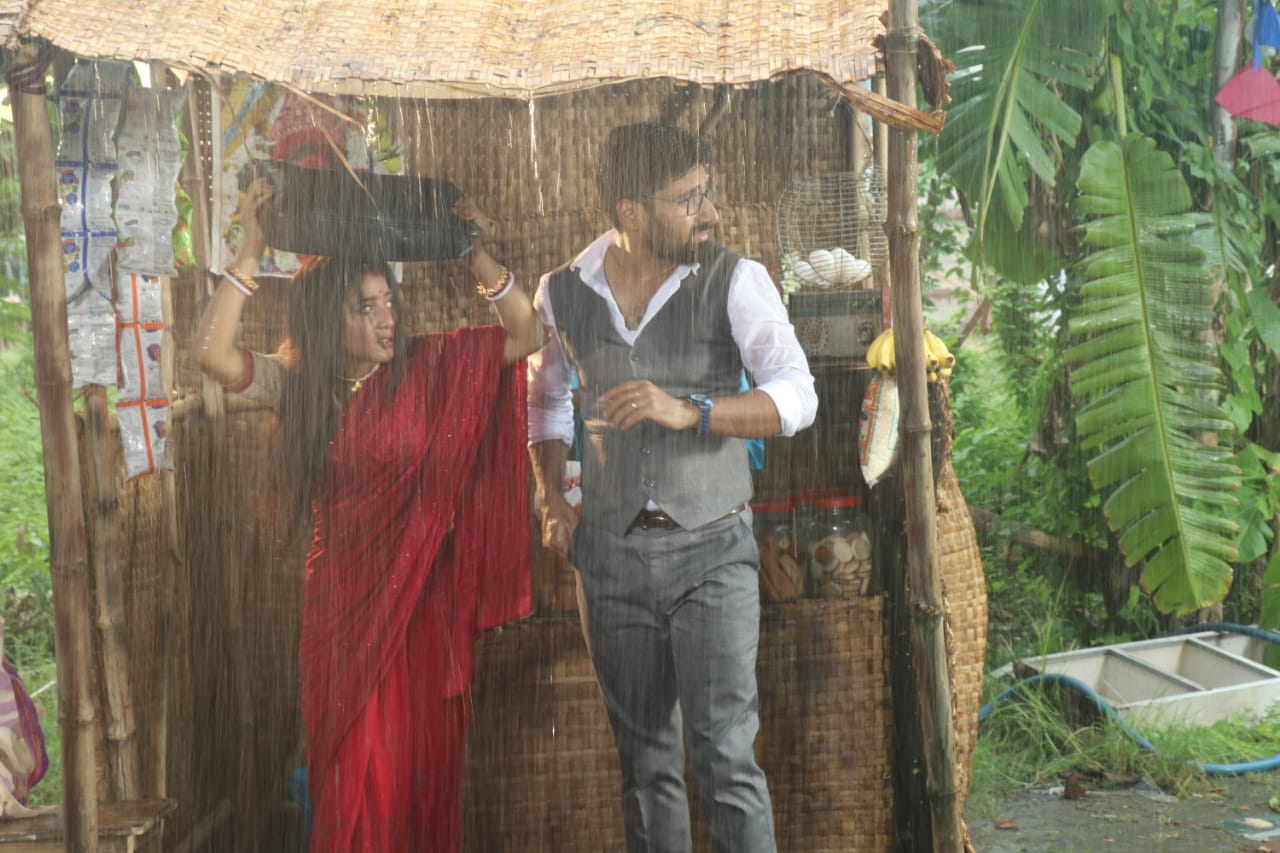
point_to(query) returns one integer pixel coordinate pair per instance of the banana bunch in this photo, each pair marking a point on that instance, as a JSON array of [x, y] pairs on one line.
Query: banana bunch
[[938, 359], [880, 353]]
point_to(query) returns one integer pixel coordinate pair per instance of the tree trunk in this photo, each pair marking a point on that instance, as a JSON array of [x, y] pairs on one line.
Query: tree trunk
[[1226, 60]]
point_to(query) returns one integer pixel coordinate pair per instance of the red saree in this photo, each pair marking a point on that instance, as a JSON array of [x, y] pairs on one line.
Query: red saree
[[421, 541]]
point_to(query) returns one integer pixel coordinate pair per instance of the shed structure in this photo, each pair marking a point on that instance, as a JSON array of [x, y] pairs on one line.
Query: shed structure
[[181, 690]]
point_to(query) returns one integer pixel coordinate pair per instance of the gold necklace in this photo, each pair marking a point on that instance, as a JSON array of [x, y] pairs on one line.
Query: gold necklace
[[359, 380]]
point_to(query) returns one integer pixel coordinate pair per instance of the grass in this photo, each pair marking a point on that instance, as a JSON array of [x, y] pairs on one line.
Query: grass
[[1039, 736]]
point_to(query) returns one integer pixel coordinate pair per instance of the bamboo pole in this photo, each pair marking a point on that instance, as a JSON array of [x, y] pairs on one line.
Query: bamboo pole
[[880, 150], [925, 606], [108, 598], [898, 115], [68, 550], [230, 604], [159, 723]]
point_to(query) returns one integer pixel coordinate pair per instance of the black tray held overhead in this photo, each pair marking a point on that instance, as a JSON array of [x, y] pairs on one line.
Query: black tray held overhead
[[389, 218]]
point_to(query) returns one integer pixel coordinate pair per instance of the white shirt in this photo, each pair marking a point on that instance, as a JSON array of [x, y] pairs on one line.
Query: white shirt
[[758, 320]]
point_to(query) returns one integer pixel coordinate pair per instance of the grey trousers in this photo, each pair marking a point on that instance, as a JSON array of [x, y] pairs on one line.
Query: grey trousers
[[673, 618]]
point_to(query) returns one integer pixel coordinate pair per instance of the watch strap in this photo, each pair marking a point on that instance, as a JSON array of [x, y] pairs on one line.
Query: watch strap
[[704, 404]]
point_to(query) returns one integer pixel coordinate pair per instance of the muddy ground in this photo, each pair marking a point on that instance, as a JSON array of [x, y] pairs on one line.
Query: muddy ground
[[1230, 814]]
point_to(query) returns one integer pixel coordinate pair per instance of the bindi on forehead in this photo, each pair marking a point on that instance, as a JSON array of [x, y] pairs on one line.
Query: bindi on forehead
[[373, 287]]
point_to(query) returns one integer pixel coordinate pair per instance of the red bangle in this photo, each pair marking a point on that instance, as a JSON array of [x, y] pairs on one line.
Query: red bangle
[[247, 287]]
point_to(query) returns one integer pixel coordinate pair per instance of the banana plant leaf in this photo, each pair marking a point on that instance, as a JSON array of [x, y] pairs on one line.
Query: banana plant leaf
[[1147, 384], [1016, 58]]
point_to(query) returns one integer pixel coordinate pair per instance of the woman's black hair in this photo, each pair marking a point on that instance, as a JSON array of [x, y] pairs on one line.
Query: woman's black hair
[[315, 352]]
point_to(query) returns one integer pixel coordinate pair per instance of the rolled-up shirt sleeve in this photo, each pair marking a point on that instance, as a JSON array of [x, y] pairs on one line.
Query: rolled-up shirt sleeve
[[550, 394], [769, 348]]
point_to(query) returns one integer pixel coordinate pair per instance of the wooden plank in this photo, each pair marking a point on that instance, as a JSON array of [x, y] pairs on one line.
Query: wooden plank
[[121, 827]]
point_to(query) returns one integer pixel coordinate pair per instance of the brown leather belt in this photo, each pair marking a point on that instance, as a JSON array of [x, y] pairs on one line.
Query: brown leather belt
[[656, 519]]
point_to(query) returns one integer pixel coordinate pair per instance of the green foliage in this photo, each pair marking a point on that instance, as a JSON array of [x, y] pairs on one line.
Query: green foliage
[[1010, 121], [25, 587], [1147, 384], [24, 536], [1271, 605], [1012, 158], [1035, 605]]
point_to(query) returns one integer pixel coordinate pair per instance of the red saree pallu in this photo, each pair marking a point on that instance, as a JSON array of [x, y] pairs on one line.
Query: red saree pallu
[[421, 541]]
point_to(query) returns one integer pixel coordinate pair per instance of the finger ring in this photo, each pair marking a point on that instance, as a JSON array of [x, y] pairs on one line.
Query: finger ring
[[635, 405]]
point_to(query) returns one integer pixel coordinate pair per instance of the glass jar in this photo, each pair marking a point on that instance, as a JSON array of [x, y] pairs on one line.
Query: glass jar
[[838, 549], [805, 513], [782, 576]]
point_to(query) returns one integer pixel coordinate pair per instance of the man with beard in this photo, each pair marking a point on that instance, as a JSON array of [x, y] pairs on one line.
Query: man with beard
[[659, 322]]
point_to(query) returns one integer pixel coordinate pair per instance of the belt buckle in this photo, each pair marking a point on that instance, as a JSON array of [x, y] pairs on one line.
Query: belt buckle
[[652, 519]]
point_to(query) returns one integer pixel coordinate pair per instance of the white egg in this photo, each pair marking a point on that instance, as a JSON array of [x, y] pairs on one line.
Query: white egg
[[804, 272], [855, 269], [841, 260], [824, 264]]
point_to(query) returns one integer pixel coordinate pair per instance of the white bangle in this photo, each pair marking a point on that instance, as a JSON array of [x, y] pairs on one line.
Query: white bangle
[[504, 290], [245, 287]]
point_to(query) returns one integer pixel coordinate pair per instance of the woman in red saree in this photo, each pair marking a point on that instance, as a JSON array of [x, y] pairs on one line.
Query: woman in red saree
[[411, 453]]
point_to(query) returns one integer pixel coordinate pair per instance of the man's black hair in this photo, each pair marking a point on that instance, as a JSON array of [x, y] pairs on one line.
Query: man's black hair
[[640, 159]]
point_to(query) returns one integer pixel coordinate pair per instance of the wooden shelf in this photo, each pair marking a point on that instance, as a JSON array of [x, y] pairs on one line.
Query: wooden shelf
[[128, 827]]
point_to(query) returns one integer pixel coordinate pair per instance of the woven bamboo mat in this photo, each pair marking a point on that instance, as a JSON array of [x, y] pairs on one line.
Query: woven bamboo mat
[[965, 596], [542, 772], [468, 48]]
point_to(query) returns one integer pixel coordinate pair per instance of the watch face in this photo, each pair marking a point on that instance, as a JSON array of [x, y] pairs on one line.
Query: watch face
[[702, 401]]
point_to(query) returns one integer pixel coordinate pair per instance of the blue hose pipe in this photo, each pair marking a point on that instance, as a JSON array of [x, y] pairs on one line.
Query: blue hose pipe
[[1109, 712]]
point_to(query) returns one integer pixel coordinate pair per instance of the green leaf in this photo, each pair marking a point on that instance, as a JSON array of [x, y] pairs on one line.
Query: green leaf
[[1269, 615], [1266, 318], [1010, 119], [1149, 387]]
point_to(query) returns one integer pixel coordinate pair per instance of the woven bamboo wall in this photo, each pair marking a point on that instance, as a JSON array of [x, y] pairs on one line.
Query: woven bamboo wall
[[543, 773], [234, 726]]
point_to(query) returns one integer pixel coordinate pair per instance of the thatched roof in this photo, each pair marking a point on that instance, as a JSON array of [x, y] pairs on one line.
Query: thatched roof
[[463, 48]]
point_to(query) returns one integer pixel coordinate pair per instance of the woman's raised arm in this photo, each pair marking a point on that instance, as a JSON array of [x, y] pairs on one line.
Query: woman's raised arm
[[216, 350], [525, 334]]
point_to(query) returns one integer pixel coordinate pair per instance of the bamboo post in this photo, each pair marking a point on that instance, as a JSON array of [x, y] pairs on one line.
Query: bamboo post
[[231, 592], [68, 550], [880, 150], [159, 723], [108, 596], [195, 180], [924, 603]]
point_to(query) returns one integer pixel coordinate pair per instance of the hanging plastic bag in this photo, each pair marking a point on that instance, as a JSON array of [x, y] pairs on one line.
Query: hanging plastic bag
[[23, 760]]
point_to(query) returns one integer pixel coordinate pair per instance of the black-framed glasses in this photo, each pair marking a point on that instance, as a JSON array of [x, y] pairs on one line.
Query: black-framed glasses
[[691, 200]]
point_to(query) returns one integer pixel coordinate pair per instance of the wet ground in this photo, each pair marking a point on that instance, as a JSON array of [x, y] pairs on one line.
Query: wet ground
[[1231, 814]]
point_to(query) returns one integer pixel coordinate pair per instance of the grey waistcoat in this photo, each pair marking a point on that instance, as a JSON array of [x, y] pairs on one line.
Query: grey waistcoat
[[686, 348]]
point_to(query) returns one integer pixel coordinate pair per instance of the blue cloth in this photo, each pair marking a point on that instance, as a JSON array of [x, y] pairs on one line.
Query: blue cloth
[[1266, 29], [300, 792], [755, 446]]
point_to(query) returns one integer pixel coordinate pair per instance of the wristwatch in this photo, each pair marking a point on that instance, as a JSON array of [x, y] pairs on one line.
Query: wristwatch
[[704, 404]]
